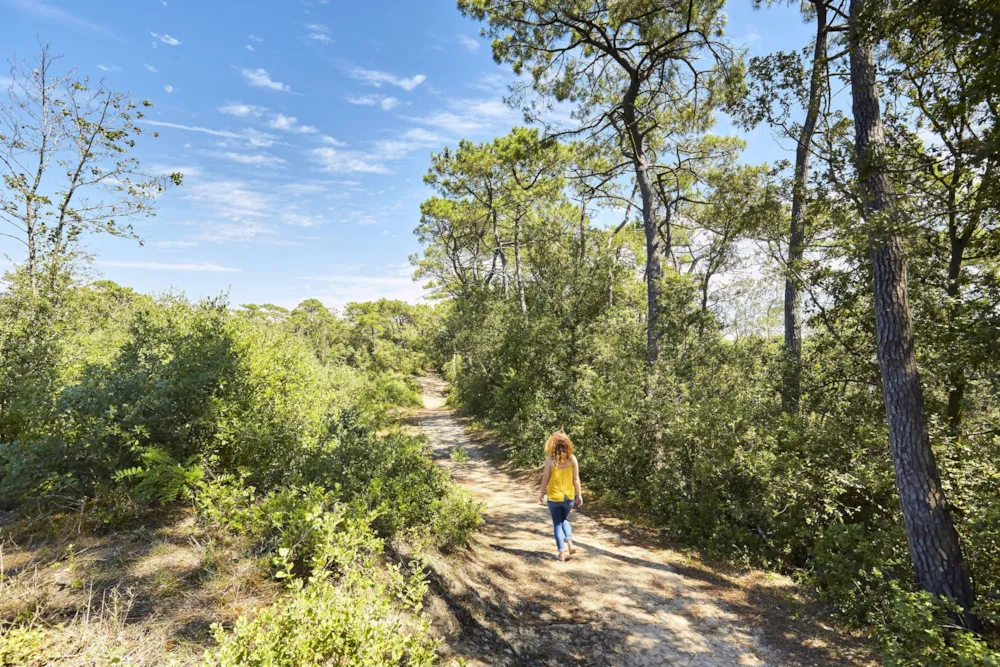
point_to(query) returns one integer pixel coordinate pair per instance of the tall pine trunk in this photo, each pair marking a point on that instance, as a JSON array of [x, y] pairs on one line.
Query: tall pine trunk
[[933, 540], [518, 278], [654, 269], [792, 390]]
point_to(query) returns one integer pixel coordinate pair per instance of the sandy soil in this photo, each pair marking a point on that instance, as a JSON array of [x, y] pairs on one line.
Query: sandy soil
[[619, 601]]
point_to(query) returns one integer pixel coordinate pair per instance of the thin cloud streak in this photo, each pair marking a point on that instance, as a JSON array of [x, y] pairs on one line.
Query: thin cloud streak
[[164, 266]]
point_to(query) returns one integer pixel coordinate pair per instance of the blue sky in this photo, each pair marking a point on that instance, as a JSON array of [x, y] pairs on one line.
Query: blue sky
[[303, 128]]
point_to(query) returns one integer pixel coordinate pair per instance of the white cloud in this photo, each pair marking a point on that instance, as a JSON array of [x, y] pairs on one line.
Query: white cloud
[[48, 12], [333, 142], [318, 27], [249, 48], [338, 290], [469, 116], [452, 123], [254, 38], [379, 79], [151, 68], [162, 266], [492, 83], [257, 138], [257, 160], [250, 135], [169, 89], [109, 68], [336, 161], [494, 108], [383, 101], [166, 39], [468, 43], [300, 220], [166, 170], [305, 188], [233, 210], [420, 134], [290, 124], [319, 37], [259, 78], [175, 244], [241, 110]]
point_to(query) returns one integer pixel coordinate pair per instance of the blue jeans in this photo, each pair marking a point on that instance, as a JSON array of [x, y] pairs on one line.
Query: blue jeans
[[560, 521]]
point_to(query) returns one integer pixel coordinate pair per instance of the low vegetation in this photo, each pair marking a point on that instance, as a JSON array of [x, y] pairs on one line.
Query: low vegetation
[[155, 449]]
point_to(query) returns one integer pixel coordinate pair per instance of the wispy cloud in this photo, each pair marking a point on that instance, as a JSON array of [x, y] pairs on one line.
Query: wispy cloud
[[109, 68], [383, 101], [336, 290], [50, 13], [451, 122], [150, 68], [256, 160], [163, 266], [468, 43], [232, 210], [175, 244], [166, 39], [169, 89], [249, 47], [327, 139], [379, 79], [319, 33], [336, 161], [468, 116], [259, 78], [290, 124], [242, 110], [254, 38], [250, 135], [300, 220]]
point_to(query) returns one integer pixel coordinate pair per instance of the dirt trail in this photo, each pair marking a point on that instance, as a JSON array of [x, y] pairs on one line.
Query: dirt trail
[[511, 602]]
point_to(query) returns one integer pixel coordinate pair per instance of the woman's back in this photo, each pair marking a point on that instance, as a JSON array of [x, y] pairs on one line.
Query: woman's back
[[560, 486]]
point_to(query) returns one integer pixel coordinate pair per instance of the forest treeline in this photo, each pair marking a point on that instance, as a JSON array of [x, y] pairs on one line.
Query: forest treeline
[[794, 365]]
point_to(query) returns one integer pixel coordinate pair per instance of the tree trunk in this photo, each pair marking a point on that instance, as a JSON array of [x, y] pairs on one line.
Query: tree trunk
[[654, 269], [518, 280], [792, 390], [933, 540], [956, 374]]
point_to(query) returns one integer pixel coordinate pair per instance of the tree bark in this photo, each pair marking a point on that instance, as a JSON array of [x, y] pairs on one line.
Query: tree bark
[[518, 280], [792, 390], [933, 540], [654, 269]]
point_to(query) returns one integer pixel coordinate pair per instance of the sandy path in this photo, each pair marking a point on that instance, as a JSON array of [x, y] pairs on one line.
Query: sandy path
[[615, 603]]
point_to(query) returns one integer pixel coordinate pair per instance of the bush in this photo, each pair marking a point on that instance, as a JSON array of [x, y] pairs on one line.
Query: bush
[[353, 623], [920, 633], [459, 515]]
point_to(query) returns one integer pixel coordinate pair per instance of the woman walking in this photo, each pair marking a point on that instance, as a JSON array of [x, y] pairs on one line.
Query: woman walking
[[561, 488]]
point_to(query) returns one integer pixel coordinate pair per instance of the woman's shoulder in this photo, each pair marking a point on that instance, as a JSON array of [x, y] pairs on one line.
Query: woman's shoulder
[[573, 459]]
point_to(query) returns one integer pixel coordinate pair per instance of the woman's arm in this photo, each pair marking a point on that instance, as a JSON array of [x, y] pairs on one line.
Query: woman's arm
[[578, 501], [545, 479]]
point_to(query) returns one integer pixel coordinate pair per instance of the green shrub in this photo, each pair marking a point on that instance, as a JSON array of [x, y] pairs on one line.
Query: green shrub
[[353, 624], [919, 633], [458, 516]]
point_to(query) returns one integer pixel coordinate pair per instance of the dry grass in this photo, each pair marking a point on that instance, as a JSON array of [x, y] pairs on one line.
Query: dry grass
[[73, 593]]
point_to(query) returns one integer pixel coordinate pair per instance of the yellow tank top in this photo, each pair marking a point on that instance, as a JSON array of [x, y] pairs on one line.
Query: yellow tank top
[[560, 486]]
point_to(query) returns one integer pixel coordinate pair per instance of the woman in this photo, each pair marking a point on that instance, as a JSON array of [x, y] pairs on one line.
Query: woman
[[561, 487]]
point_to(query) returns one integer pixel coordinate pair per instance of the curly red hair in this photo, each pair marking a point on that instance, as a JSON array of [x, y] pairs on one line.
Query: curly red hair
[[559, 447]]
